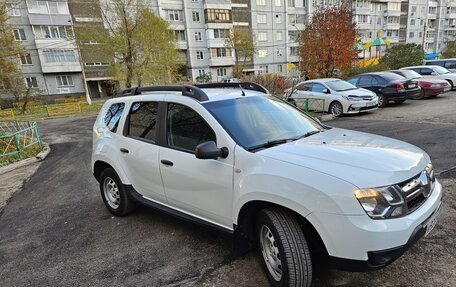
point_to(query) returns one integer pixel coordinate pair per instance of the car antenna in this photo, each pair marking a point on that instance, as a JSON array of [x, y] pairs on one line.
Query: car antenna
[[242, 90]]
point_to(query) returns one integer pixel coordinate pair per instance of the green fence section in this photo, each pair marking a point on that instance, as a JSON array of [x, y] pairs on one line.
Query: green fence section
[[17, 136], [44, 111], [311, 105]]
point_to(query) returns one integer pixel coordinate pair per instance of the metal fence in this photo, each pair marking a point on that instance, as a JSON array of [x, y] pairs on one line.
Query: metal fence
[[314, 105], [17, 136]]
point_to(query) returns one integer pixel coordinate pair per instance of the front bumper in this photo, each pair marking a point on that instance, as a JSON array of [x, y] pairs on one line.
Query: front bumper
[[362, 107], [436, 91], [359, 243]]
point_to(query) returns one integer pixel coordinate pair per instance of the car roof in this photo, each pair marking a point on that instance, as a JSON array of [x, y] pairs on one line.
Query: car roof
[[375, 73], [421, 66]]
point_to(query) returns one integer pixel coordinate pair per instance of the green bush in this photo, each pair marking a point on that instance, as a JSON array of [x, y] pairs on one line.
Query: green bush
[[355, 70]]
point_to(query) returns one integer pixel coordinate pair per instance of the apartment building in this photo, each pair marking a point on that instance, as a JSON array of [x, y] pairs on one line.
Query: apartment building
[[51, 62]]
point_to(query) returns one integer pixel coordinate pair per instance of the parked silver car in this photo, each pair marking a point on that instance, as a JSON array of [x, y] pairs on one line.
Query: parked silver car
[[332, 95]]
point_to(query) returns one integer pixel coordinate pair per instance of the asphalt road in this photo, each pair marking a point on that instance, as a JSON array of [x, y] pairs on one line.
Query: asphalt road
[[56, 230]]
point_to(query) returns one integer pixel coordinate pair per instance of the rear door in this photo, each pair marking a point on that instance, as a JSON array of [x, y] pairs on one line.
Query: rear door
[[320, 100], [140, 152], [302, 94]]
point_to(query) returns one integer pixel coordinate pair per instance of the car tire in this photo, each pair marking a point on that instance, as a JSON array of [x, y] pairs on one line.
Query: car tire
[[382, 101], [336, 109], [283, 249], [451, 84], [114, 195], [420, 96], [399, 101]]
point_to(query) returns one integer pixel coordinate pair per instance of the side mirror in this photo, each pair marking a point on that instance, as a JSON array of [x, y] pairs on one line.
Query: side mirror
[[326, 91], [434, 74], [209, 150]]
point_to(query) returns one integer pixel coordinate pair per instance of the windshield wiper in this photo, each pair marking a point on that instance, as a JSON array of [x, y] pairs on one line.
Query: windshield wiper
[[281, 141]]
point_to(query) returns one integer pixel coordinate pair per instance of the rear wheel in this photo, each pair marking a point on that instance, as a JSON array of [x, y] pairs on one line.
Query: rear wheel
[[336, 109], [114, 195], [451, 84], [382, 101], [399, 101], [284, 251]]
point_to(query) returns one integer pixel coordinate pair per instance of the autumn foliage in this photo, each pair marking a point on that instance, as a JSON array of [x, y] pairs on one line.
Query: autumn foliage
[[327, 43]]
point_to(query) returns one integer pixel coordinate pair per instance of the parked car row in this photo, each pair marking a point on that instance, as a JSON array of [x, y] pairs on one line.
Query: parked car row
[[369, 91]]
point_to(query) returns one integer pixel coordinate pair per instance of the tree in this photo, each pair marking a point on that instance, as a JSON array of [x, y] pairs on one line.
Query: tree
[[327, 43], [204, 78], [450, 50], [241, 41], [403, 55], [141, 42]]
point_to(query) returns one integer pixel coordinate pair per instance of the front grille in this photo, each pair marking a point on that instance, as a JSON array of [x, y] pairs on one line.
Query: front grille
[[418, 189], [367, 98]]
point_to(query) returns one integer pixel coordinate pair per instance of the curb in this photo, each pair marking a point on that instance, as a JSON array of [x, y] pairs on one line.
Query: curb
[[39, 157]]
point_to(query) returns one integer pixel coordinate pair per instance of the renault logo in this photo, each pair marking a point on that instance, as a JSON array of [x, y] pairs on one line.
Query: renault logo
[[425, 184]]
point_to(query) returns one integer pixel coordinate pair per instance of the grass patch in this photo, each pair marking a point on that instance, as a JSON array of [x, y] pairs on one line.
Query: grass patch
[[29, 152]]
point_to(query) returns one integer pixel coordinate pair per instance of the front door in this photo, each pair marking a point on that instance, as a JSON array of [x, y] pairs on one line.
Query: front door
[[202, 188]]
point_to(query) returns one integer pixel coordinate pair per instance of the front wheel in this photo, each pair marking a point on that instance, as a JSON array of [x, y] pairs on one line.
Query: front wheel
[[336, 109], [284, 251], [382, 101]]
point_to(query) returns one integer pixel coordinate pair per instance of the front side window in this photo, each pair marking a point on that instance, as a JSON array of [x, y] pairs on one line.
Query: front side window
[[142, 121], [186, 128], [318, 88], [112, 116]]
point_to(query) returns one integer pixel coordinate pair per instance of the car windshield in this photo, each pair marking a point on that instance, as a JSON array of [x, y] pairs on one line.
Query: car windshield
[[409, 74], [340, 86], [259, 121], [441, 70]]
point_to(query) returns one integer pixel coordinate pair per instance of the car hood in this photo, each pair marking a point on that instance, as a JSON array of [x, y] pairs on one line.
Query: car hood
[[360, 92], [362, 159]]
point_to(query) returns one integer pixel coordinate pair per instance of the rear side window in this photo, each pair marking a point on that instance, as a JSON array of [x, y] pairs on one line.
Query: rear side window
[[450, 64], [186, 128], [142, 122], [426, 71], [366, 81], [304, 87], [112, 116]]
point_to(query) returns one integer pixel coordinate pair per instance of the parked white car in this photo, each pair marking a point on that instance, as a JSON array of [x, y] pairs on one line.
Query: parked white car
[[435, 71], [332, 95], [244, 162]]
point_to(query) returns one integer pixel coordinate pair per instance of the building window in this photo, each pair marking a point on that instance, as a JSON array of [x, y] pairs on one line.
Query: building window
[[278, 19], [174, 15], [221, 72], [217, 15], [201, 73], [64, 81], [198, 36], [200, 55], [96, 64], [261, 2], [293, 51], [220, 52], [19, 35], [195, 16], [293, 36], [26, 59], [180, 35], [279, 52], [412, 35], [31, 82], [278, 3], [261, 18], [412, 22], [47, 7], [279, 36], [364, 19], [279, 68], [59, 56], [221, 33], [12, 10], [393, 20], [262, 53], [296, 19], [262, 36], [52, 32], [291, 3]]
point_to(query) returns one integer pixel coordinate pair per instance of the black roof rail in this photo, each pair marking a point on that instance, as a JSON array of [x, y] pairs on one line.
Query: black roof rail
[[187, 90], [244, 85]]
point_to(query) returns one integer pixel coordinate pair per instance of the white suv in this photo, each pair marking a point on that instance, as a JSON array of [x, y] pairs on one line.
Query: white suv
[[234, 158]]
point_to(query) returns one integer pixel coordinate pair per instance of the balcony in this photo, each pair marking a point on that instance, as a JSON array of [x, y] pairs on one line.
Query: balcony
[[451, 15], [62, 43], [432, 16], [50, 19], [394, 13], [363, 26], [216, 43], [221, 61], [61, 67], [182, 45], [391, 26]]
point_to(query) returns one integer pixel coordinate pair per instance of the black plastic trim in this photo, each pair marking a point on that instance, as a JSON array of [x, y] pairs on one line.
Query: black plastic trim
[[244, 85], [187, 90], [138, 197]]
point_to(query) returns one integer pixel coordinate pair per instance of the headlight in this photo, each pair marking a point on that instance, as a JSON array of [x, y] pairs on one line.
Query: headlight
[[384, 202], [352, 98]]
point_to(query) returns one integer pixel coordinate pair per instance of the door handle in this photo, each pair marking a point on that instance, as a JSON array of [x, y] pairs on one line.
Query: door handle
[[124, 150], [167, 162]]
